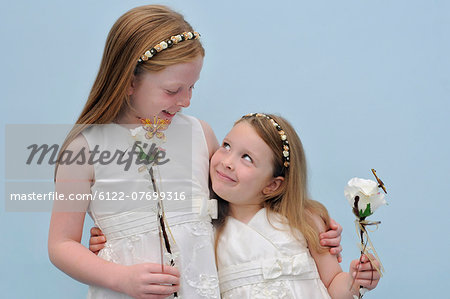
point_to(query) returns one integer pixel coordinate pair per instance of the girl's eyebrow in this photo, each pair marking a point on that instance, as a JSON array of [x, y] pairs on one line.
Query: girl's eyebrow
[[175, 82], [171, 85]]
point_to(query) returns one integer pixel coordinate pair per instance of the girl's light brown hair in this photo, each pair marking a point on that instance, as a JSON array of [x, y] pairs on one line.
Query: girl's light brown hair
[[291, 199], [133, 33]]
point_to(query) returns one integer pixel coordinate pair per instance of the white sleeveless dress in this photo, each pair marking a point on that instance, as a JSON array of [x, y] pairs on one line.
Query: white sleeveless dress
[[260, 261], [129, 222]]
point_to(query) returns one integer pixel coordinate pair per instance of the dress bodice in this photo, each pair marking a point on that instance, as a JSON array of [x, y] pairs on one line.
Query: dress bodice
[[262, 259], [183, 173]]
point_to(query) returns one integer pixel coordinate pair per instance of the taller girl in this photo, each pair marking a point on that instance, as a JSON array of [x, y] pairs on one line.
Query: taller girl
[[151, 62]]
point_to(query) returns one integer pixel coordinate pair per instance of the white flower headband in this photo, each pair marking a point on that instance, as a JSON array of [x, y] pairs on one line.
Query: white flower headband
[[283, 135], [175, 39]]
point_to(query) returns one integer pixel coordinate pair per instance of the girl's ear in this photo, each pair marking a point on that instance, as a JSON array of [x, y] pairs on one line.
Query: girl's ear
[[273, 185], [132, 86]]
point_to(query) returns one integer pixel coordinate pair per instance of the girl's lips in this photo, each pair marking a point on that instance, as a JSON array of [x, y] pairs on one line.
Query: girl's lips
[[224, 176], [169, 114]]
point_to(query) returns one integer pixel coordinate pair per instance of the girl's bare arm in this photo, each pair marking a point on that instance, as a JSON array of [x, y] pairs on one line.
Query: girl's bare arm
[[68, 254]]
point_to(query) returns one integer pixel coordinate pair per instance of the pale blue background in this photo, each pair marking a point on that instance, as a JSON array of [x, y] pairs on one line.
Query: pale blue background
[[365, 83]]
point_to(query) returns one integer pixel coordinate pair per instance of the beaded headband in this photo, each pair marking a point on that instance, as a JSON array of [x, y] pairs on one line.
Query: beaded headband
[[283, 135], [175, 39]]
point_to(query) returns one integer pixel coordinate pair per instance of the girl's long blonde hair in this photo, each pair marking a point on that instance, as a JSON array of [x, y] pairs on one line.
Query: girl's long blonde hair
[[291, 199], [133, 33]]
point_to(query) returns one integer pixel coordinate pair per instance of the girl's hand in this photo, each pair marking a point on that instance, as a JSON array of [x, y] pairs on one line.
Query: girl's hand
[[332, 238], [365, 273], [147, 281], [97, 240]]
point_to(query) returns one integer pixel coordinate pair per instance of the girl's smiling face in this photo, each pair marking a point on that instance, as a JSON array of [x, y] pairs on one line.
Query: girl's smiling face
[[241, 169], [163, 93]]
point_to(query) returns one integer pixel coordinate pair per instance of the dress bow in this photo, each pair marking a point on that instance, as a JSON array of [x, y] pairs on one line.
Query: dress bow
[[285, 265]]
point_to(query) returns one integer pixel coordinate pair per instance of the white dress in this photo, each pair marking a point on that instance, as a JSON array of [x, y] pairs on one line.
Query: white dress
[[129, 222], [257, 260]]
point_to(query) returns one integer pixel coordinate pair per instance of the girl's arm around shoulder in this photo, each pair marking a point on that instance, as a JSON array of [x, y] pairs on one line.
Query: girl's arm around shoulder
[[211, 138]]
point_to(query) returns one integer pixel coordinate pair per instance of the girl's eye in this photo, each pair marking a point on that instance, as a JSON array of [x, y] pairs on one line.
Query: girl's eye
[[171, 92], [193, 87], [248, 158], [226, 146]]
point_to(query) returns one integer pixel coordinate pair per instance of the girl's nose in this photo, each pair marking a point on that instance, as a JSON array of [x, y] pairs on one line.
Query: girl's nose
[[228, 163], [184, 100]]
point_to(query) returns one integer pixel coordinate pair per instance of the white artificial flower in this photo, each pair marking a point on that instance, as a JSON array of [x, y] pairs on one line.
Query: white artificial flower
[[367, 193], [138, 133], [141, 135]]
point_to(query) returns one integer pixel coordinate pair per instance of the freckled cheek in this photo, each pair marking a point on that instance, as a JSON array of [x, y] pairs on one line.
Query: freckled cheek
[[143, 99]]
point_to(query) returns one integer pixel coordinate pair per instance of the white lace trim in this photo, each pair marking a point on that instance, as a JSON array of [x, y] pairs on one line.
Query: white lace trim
[[271, 290]]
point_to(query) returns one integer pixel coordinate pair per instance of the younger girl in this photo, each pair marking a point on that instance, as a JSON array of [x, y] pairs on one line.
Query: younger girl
[[267, 237]]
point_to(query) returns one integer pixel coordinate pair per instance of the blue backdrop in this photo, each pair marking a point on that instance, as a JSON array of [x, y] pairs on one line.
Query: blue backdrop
[[365, 83]]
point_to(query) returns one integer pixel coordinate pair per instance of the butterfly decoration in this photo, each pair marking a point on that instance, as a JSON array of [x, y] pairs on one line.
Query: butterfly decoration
[[155, 128]]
